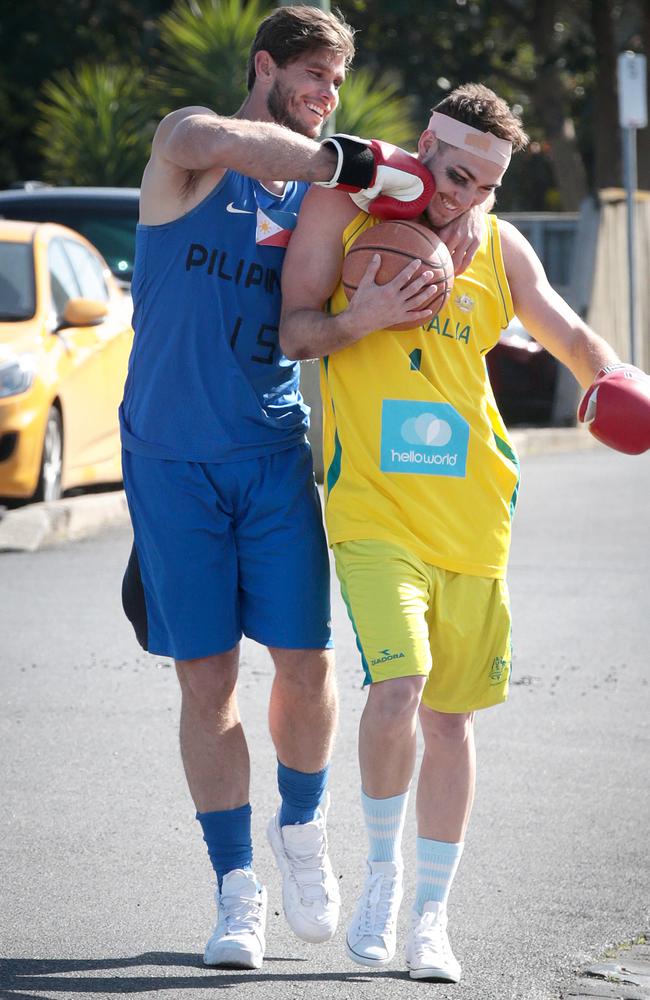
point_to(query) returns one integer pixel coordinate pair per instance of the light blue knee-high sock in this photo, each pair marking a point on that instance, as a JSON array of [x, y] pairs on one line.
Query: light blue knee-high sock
[[437, 862], [385, 825]]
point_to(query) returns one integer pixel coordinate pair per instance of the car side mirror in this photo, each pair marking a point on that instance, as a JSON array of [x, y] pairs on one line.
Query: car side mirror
[[84, 312]]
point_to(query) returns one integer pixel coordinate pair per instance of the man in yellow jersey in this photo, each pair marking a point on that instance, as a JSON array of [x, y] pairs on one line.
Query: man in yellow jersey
[[421, 482]]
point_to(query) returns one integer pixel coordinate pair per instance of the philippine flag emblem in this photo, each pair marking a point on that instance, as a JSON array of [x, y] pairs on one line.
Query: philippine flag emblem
[[274, 228]]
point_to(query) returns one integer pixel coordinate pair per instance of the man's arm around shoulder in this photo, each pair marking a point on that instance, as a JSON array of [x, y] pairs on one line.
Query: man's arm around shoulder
[[311, 272], [176, 177], [193, 147]]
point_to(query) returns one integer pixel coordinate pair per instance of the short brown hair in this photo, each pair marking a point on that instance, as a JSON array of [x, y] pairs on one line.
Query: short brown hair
[[289, 32], [480, 107]]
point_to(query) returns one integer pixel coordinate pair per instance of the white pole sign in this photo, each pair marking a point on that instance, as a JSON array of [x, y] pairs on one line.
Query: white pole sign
[[633, 114], [632, 98]]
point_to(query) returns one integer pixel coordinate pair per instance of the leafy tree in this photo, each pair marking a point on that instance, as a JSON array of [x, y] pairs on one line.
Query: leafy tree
[[39, 39], [204, 50], [96, 126], [373, 106], [8, 167], [96, 123], [541, 57], [518, 47], [555, 59]]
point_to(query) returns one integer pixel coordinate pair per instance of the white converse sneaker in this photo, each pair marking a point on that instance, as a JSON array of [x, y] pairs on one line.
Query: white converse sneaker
[[372, 932], [238, 938], [310, 891], [428, 952]]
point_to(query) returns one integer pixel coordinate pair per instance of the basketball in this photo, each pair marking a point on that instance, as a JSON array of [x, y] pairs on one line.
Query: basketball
[[398, 243]]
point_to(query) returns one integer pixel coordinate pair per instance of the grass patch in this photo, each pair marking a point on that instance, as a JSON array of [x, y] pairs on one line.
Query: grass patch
[[625, 946]]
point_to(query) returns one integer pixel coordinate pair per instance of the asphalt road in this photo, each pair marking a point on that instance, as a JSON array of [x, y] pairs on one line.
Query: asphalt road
[[105, 883]]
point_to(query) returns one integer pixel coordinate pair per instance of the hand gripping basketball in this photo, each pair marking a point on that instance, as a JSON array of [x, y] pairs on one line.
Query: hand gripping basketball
[[381, 179], [398, 242], [617, 408]]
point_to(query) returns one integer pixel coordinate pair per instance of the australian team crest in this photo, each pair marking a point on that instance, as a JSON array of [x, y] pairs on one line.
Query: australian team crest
[[464, 302]]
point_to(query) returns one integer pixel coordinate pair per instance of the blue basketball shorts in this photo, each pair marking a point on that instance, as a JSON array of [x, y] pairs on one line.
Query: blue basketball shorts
[[225, 549]]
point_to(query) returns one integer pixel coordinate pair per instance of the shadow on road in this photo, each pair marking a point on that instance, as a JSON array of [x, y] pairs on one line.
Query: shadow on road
[[20, 976]]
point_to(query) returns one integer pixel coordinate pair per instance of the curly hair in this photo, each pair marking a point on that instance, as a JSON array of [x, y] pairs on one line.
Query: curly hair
[[480, 107]]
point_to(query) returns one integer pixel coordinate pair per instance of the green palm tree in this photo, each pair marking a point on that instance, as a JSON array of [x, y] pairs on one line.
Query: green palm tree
[[96, 123], [372, 106], [95, 126], [204, 51], [204, 54]]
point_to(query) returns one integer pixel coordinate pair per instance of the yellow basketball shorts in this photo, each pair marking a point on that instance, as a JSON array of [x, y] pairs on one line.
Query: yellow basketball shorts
[[412, 619]]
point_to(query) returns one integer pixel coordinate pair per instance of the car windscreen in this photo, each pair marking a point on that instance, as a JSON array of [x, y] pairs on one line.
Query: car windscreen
[[17, 292], [110, 228]]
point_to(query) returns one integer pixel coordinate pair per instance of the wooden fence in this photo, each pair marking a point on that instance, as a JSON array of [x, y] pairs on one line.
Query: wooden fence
[[608, 310]]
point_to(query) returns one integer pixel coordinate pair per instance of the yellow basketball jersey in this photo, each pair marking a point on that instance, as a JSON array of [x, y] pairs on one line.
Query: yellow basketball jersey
[[415, 449]]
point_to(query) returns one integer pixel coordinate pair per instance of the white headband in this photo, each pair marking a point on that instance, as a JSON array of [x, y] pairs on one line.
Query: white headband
[[463, 136]]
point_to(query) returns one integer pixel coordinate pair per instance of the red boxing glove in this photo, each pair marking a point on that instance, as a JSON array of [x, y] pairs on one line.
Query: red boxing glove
[[381, 179], [617, 408]]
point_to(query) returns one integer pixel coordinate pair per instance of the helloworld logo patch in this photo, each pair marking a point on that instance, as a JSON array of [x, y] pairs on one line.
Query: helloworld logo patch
[[424, 438], [426, 429]]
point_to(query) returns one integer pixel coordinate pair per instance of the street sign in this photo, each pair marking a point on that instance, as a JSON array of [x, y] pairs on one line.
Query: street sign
[[632, 97]]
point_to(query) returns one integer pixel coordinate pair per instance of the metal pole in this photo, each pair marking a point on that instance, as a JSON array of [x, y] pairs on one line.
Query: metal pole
[[630, 173], [632, 114]]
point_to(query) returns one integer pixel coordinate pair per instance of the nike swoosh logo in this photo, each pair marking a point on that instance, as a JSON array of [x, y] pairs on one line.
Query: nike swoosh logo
[[237, 211]]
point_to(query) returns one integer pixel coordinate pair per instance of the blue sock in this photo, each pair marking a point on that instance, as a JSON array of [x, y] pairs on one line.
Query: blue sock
[[437, 862], [300, 793], [227, 834]]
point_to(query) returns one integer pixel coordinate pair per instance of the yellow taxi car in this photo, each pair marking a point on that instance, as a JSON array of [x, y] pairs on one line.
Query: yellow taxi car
[[65, 338]]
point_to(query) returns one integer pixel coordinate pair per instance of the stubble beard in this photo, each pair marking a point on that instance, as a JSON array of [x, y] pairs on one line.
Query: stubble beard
[[277, 104]]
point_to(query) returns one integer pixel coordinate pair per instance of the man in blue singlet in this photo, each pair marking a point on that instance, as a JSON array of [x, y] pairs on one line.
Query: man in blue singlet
[[217, 471]]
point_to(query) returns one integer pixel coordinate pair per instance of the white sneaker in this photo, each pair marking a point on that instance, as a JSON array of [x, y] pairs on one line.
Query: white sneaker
[[238, 938], [310, 891], [372, 932], [428, 952]]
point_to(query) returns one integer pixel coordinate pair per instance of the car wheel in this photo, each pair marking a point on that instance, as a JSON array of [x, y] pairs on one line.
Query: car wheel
[[49, 480]]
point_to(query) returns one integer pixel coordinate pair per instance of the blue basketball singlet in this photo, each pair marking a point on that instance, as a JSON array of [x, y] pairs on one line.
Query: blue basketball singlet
[[207, 381], [218, 475]]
